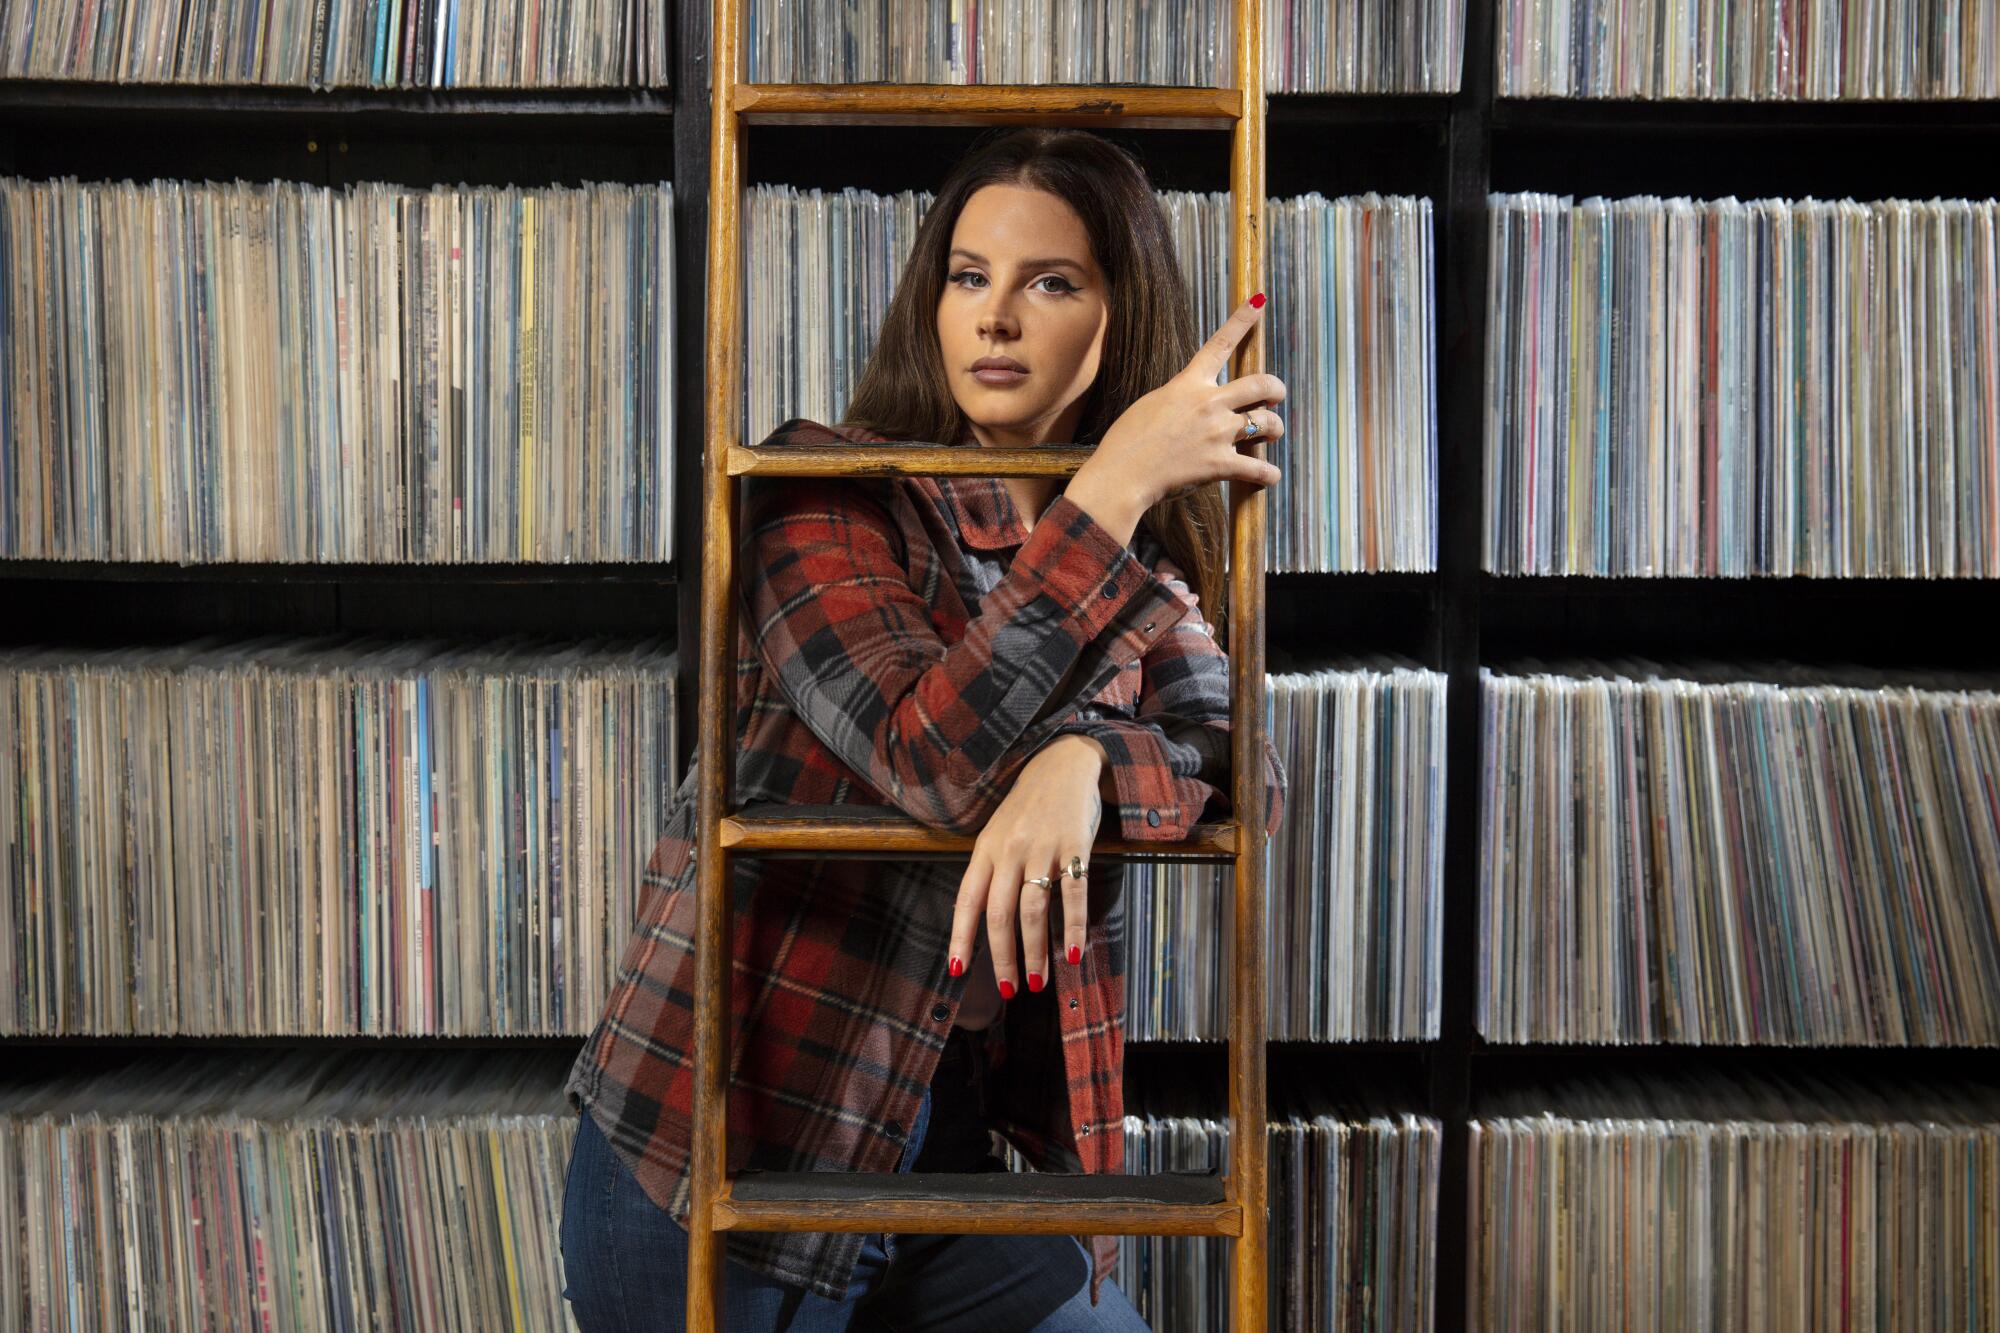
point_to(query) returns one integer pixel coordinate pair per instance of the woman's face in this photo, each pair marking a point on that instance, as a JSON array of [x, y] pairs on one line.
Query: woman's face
[[1021, 283]]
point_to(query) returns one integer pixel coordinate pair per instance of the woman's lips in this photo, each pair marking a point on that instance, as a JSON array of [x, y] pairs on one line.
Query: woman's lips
[[995, 376]]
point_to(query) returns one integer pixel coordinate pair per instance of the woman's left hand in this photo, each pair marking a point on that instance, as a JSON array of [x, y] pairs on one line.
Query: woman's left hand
[[1050, 815]]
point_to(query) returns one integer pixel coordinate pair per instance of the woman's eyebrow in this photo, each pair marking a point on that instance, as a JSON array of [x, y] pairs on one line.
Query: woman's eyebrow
[[1054, 261]]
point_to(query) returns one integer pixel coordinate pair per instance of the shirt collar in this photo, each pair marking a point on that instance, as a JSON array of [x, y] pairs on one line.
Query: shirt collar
[[986, 514]]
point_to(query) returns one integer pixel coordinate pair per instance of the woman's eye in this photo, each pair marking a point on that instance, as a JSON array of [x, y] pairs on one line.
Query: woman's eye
[[1046, 277]]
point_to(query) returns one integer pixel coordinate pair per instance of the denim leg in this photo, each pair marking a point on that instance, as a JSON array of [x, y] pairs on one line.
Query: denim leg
[[1113, 1311], [915, 1146], [625, 1260], [878, 1248], [995, 1284]]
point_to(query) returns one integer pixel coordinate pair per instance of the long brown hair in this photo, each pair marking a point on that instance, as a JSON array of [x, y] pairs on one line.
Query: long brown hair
[[904, 392]]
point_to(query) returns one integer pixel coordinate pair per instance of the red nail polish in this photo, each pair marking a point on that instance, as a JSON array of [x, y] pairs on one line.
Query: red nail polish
[[1075, 954], [1258, 300], [1034, 981], [956, 965], [1006, 989]]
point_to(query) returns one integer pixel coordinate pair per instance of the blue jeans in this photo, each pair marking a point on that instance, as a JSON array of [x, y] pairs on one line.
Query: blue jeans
[[625, 1259]]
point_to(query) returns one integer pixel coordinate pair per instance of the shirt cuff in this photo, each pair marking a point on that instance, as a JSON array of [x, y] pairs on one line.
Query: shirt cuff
[[1096, 578], [1155, 804]]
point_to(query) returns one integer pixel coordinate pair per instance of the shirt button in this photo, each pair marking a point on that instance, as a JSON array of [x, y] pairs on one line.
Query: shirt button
[[1153, 818], [895, 1129], [940, 1012], [1072, 1002], [1083, 1129], [1111, 588], [1149, 627]]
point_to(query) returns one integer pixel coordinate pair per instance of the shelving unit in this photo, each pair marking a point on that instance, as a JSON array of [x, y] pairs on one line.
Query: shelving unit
[[1452, 149]]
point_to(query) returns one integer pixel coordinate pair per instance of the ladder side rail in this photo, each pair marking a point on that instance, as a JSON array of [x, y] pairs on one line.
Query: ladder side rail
[[1248, 1168], [709, 1144]]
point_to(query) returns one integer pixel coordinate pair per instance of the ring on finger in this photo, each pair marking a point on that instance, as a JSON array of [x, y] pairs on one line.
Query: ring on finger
[[1075, 868], [1046, 881]]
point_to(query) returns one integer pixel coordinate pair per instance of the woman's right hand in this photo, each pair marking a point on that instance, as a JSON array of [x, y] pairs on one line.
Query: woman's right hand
[[1185, 433], [1049, 816]]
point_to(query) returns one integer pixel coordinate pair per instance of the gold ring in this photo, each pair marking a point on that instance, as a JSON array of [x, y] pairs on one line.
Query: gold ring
[[1075, 870], [1044, 880]]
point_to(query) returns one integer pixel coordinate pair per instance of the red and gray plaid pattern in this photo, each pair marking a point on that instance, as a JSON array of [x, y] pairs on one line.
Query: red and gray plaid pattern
[[911, 643]]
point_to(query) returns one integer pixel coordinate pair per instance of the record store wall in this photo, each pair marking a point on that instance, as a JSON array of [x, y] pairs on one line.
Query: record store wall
[[1635, 919]]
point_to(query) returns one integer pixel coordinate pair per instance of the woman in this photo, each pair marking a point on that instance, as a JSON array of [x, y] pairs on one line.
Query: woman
[[1000, 657]]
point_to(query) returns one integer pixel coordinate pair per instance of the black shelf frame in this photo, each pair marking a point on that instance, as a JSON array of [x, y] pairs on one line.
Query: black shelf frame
[[1453, 149], [352, 105]]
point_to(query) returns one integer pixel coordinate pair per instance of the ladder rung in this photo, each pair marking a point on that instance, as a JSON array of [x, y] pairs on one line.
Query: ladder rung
[[833, 830], [905, 460], [1169, 1203], [1132, 106]]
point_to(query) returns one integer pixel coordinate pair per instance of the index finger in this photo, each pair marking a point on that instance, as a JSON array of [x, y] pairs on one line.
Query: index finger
[[1213, 357]]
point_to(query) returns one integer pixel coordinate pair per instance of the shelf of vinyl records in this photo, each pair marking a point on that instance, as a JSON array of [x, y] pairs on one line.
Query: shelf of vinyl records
[[458, 831], [330, 1185], [1578, 49], [493, 445], [1668, 854], [1693, 443]]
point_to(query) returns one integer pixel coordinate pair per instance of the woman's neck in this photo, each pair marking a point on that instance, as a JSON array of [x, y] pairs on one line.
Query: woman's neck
[[1031, 495]]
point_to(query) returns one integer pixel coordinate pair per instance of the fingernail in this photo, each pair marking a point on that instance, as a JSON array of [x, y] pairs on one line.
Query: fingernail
[[1034, 981], [1075, 954], [956, 965], [1258, 300], [1006, 989]]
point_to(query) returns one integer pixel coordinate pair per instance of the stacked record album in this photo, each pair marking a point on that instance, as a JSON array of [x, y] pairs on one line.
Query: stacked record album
[[314, 44], [1763, 50], [333, 835], [1728, 388], [1353, 880], [286, 1189], [1362, 46], [282, 372]]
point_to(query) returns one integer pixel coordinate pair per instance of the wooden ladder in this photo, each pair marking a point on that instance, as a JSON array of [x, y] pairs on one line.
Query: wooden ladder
[[1170, 1204]]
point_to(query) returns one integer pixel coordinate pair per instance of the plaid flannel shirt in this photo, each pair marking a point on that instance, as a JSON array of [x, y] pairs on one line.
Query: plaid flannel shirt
[[911, 643]]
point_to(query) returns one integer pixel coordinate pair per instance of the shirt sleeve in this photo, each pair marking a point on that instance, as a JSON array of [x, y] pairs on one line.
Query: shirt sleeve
[[1169, 761], [940, 730]]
